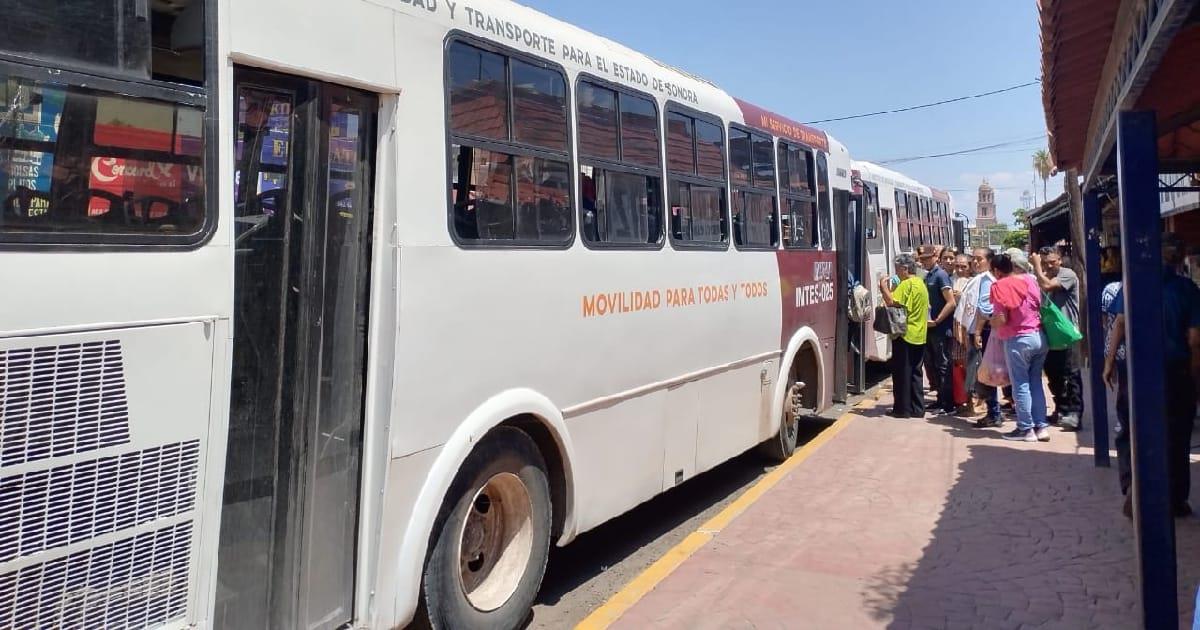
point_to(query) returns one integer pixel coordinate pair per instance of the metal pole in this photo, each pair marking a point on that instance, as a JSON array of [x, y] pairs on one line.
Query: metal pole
[[1096, 340], [1154, 526]]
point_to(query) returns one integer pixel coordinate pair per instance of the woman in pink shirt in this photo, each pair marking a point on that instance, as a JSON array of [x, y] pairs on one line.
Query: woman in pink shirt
[[1017, 321]]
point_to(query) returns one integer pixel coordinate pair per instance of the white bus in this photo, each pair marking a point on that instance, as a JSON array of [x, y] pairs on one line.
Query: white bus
[[899, 215], [328, 313]]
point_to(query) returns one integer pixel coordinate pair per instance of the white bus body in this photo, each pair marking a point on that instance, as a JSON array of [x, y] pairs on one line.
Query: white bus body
[[885, 199]]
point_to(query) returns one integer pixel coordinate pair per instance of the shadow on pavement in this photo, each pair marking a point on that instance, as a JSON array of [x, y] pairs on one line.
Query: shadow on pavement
[[1027, 537]]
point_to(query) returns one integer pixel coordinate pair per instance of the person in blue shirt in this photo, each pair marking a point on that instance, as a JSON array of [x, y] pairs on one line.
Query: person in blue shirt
[[1181, 371], [941, 328]]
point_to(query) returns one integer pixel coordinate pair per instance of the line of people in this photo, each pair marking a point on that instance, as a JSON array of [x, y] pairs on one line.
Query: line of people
[[952, 319], [956, 306]]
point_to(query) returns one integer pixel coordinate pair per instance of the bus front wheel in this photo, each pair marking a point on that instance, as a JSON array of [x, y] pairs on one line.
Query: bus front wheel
[[783, 444], [492, 538]]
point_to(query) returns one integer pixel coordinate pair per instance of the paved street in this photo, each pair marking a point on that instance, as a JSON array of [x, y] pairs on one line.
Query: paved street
[[911, 524], [599, 563]]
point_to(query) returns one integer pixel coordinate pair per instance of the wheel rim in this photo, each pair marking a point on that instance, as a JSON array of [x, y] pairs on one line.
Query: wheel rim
[[791, 422], [496, 542]]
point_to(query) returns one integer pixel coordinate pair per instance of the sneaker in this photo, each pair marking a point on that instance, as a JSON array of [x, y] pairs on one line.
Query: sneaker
[[1070, 422], [1017, 435], [1054, 418], [1043, 434]]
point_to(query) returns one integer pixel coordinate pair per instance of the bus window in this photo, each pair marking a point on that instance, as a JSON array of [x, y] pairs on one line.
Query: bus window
[[764, 162], [695, 165], [710, 150], [510, 182], [752, 161], [825, 209], [138, 40], [539, 106], [597, 122], [873, 231], [639, 131], [478, 92], [621, 182], [681, 144], [75, 160], [800, 218], [754, 220], [741, 161], [795, 169]]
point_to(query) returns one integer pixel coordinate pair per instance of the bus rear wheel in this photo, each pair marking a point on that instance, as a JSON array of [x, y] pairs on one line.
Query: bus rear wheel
[[493, 537]]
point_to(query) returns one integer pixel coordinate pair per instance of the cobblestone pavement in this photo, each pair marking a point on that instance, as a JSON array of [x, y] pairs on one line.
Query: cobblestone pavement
[[924, 524]]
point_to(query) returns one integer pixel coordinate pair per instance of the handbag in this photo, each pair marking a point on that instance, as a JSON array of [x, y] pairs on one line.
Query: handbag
[[891, 321], [993, 371], [1060, 332]]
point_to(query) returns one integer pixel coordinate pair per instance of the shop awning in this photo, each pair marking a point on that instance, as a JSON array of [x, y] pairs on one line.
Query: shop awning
[[1100, 57]]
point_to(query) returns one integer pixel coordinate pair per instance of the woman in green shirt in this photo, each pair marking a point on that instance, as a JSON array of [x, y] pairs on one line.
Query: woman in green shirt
[[908, 351]]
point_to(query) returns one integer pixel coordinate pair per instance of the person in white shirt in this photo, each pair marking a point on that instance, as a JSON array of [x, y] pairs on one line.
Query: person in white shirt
[[972, 329]]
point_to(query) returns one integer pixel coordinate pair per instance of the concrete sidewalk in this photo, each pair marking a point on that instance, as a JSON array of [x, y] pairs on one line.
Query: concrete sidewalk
[[923, 524]]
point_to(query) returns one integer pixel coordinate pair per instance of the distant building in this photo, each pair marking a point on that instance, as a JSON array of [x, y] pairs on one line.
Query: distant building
[[985, 210]]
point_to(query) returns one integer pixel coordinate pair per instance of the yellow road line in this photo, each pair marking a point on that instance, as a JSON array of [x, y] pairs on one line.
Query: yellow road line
[[634, 591]]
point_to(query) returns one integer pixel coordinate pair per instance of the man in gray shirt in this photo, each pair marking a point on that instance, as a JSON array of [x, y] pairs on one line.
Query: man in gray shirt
[[1062, 366]]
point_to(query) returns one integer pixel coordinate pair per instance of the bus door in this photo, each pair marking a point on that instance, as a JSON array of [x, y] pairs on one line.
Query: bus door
[[303, 164], [881, 252], [845, 363], [854, 259]]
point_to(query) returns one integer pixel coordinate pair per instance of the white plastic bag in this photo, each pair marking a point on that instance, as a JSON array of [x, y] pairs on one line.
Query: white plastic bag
[[993, 371]]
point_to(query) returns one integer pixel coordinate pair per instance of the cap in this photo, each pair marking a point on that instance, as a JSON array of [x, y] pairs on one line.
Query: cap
[[1019, 258]]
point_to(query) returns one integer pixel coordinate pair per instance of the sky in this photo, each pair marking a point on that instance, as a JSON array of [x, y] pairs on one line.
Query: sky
[[811, 60]]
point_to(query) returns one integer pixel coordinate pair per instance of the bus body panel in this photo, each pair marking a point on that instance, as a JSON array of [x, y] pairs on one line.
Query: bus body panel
[[505, 304]]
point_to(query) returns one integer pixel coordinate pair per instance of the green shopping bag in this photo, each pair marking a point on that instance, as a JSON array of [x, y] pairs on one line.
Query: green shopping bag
[[1060, 332]]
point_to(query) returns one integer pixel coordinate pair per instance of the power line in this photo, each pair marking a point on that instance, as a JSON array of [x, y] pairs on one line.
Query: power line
[[927, 105], [1031, 146], [998, 145]]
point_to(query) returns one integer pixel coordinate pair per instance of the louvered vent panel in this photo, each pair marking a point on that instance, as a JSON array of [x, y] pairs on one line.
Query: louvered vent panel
[[50, 508], [61, 400], [133, 583]]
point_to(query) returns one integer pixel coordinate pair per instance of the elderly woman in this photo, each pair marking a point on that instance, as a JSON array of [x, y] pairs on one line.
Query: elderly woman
[[1017, 321], [908, 350]]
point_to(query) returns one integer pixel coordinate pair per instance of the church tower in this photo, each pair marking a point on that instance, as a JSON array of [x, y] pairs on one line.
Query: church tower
[[985, 211]]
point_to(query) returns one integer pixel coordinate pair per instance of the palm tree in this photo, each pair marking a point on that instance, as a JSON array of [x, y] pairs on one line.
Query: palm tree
[[1043, 166]]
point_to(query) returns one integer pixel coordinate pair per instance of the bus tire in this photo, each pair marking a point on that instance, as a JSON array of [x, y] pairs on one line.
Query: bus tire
[[782, 445], [492, 538]]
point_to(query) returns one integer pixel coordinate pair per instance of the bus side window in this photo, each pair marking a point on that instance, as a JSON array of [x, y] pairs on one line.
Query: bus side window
[[620, 164], [755, 215], [696, 184], [510, 167], [800, 205], [80, 161]]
